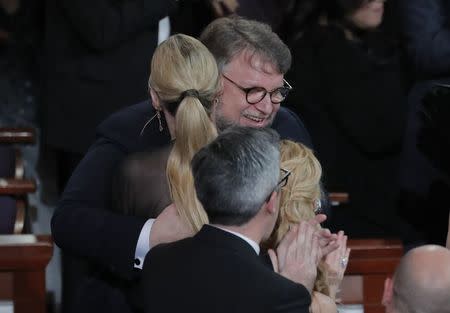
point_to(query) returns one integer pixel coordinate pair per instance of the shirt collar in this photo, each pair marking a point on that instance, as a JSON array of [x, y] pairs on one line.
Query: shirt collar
[[251, 242]]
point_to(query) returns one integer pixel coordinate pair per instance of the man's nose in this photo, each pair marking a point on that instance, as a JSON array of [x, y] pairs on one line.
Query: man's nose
[[265, 105]]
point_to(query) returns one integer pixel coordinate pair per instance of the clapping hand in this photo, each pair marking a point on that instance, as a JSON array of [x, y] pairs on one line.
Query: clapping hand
[[298, 255], [337, 263], [327, 241]]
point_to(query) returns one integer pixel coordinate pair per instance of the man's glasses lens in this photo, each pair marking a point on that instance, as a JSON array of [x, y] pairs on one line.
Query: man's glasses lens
[[255, 95]]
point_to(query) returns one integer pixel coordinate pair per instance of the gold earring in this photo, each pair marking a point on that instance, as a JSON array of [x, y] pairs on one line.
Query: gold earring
[[158, 115]]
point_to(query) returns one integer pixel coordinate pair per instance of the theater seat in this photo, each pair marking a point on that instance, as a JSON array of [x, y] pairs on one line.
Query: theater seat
[[371, 262], [23, 259], [13, 186]]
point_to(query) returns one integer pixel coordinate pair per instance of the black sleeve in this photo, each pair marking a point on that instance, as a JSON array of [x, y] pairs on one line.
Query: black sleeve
[[289, 126], [105, 24], [83, 224]]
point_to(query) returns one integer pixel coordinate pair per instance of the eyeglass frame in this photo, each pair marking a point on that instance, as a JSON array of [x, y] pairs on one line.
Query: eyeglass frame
[[284, 179], [282, 182], [285, 86]]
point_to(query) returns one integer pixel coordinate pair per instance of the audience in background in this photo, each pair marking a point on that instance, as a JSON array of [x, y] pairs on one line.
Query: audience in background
[[95, 57], [20, 39], [350, 89], [427, 33], [421, 282], [192, 16], [424, 179], [300, 200]]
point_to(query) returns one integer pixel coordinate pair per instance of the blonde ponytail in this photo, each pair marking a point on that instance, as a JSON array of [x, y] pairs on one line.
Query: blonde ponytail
[[194, 130], [185, 77]]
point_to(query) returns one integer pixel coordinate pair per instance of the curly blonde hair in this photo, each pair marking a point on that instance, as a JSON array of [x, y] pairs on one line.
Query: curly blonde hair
[[299, 198]]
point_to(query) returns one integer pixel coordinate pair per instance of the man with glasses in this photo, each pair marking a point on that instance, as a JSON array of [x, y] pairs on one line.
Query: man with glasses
[[253, 61], [237, 179]]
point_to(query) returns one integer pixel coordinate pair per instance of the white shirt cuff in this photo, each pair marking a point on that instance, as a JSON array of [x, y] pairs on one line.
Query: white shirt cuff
[[143, 244]]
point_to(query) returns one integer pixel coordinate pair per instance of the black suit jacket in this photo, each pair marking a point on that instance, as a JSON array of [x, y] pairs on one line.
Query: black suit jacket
[[96, 60], [83, 224], [216, 271]]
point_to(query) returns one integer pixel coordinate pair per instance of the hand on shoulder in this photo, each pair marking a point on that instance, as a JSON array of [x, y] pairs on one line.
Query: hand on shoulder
[[321, 303]]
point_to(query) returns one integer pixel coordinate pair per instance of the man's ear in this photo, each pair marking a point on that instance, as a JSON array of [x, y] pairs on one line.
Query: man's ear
[[272, 203], [155, 100], [387, 294]]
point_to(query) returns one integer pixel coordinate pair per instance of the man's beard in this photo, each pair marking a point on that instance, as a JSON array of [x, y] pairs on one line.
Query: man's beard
[[223, 123]]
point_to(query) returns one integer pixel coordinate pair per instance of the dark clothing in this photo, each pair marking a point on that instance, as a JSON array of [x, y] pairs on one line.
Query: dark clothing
[[96, 60], [216, 271], [426, 25], [131, 195], [83, 224], [352, 97]]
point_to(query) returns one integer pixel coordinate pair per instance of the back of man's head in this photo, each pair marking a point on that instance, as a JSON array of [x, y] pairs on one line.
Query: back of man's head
[[236, 173], [229, 36], [421, 282]]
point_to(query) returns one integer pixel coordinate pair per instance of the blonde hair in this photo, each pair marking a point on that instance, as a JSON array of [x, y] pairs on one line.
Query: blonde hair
[[299, 197], [185, 77]]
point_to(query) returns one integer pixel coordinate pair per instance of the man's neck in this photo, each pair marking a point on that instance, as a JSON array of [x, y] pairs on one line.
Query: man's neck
[[238, 232], [243, 230]]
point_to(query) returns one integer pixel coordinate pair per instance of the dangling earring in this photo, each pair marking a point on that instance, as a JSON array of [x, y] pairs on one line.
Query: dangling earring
[[158, 115]]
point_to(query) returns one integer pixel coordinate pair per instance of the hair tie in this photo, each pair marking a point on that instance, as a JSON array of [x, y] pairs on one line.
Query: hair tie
[[190, 93]]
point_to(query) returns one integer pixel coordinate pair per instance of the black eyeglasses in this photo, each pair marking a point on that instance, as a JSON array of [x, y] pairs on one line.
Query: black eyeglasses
[[282, 182], [256, 94], [284, 178]]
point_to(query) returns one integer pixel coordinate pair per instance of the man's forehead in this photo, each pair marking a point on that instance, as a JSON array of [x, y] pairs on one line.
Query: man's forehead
[[256, 61]]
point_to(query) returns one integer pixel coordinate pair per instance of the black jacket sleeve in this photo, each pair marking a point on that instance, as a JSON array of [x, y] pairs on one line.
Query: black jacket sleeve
[[290, 126], [105, 24], [82, 224]]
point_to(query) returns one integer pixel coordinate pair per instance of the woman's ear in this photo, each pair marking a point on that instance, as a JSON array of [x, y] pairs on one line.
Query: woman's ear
[[155, 100]]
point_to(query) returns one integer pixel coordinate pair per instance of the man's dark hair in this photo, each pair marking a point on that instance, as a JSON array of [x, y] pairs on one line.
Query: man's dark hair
[[229, 36]]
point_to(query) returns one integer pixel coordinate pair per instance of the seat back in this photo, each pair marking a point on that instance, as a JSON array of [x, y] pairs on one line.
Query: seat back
[[371, 262], [8, 213], [7, 161]]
